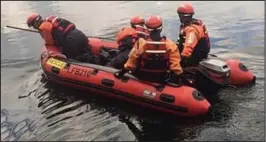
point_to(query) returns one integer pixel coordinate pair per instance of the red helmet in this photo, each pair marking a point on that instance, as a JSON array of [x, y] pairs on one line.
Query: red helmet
[[137, 20], [186, 9], [154, 23], [31, 19]]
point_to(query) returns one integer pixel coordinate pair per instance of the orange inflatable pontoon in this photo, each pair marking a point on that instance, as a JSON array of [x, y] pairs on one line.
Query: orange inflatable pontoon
[[239, 73]]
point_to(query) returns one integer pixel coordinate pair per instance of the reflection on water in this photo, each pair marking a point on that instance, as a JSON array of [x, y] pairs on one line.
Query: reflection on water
[[53, 112], [12, 131]]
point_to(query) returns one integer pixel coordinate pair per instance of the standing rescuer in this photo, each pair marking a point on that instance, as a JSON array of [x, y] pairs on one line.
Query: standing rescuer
[[193, 41], [60, 32], [151, 58]]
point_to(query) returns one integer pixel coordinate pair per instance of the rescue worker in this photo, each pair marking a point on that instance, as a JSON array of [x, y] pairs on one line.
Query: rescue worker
[[138, 23], [62, 33], [151, 58], [125, 39], [193, 42]]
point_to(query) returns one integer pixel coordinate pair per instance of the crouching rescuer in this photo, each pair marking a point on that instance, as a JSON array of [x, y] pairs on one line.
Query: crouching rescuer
[[60, 32]]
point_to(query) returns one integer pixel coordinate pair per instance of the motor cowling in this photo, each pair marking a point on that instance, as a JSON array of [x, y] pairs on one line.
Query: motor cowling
[[216, 70]]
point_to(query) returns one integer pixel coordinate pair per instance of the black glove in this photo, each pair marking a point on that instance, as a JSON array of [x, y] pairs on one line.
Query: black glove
[[176, 79], [184, 61], [120, 73]]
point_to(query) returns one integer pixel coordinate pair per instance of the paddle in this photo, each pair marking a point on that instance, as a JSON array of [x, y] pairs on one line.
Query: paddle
[[213, 55], [35, 31], [29, 30]]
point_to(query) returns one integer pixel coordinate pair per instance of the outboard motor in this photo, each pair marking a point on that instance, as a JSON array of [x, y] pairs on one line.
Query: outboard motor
[[211, 76]]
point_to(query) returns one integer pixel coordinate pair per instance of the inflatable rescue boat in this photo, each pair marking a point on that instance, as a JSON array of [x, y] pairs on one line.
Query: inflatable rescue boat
[[185, 99], [180, 100]]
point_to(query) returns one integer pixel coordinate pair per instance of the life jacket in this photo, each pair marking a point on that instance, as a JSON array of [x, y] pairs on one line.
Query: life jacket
[[142, 31], [60, 29], [155, 58], [203, 44], [126, 38]]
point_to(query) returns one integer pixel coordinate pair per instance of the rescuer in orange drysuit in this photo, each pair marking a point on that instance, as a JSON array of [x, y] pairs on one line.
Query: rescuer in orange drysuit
[[193, 42]]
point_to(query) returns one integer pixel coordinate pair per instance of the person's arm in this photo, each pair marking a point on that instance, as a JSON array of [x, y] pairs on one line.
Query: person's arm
[[192, 38], [45, 30], [134, 54], [174, 58]]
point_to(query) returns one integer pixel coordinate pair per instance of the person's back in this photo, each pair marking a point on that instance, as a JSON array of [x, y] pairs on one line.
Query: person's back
[[151, 58], [154, 62], [197, 51], [193, 41]]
